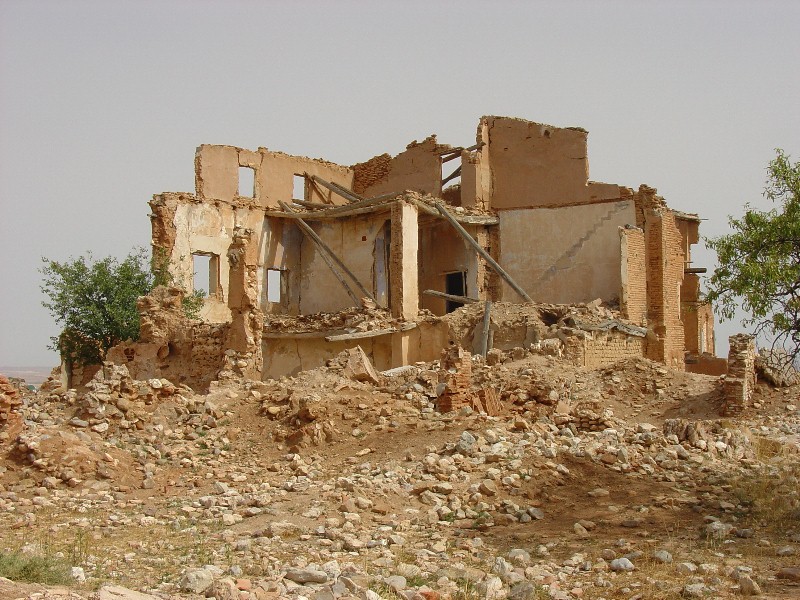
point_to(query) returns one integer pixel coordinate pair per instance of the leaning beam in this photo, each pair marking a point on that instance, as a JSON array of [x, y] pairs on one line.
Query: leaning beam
[[451, 297], [483, 253], [328, 254], [349, 196]]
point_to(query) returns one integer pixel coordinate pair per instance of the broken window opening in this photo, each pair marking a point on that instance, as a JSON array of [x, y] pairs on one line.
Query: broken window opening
[[247, 182], [455, 285], [205, 267], [300, 187], [451, 174], [276, 285]]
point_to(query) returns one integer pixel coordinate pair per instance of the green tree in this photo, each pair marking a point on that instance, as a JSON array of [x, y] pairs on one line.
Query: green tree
[[759, 262], [94, 300]]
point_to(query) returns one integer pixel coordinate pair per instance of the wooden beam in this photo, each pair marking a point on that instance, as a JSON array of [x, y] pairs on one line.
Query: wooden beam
[[465, 219], [302, 335], [346, 194], [456, 152], [324, 254], [483, 348], [489, 260], [385, 196], [309, 204], [326, 249], [350, 192], [368, 334], [453, 175], [339, 209], [451, 151], [451, 297], [323, 214], [359, 335], [316, 188]]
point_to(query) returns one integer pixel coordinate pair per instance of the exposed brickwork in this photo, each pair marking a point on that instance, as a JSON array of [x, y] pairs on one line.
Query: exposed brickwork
[[633, 301], [459, 392], [602, 349], [459, 381], [665, 261], [741, 378], [368, 173]]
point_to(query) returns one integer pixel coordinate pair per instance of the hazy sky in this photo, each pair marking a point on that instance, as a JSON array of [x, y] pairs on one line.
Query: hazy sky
[[102, 104]]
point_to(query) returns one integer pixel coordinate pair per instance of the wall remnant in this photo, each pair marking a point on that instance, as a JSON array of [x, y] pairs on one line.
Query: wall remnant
[[10, 402], [740, 381]]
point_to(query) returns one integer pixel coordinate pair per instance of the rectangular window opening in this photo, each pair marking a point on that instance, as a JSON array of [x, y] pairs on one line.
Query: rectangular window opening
[[276, 285], [451, 173], [299, 189], [206, 273], [247, 182], [455, 285]]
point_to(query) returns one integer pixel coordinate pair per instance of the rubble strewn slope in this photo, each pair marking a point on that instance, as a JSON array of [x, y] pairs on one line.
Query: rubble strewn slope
[[619, 482]]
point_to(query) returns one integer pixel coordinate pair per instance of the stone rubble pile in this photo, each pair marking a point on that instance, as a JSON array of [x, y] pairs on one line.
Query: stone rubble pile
[[270, 510]]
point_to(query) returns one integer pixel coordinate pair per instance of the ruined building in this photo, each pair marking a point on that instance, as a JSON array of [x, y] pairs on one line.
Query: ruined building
[[306, 258]]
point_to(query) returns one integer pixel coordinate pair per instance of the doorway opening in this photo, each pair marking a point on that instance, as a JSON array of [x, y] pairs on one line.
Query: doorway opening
[[455, 285]]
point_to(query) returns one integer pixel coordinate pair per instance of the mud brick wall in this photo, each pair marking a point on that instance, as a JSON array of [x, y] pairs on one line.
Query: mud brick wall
[[371, 172], [741, 378], [607, 348], [600, 348], [705, 364], [459, 383]]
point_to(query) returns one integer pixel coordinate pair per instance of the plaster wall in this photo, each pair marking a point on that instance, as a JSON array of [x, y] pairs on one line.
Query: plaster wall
[[287, 356], [533, 164], [188, 227], [275, 178], [280, 249], [706, 364], [290, 356], [442, 251], [403, 261], [353, 241], [217, 175], [564, 255]]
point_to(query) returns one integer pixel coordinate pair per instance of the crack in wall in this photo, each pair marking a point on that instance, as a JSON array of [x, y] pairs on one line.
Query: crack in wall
[[573, 250]]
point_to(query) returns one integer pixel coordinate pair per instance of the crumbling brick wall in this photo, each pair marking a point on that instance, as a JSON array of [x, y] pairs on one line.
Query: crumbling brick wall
[[595, 349], [741, 378], [697, 317], [458, 392], [633, 298], [418, 168], [665, 262], [371, 172]]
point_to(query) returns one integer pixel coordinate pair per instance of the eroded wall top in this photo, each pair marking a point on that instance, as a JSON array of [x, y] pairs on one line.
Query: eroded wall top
[[228, 173], [534, 165]]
